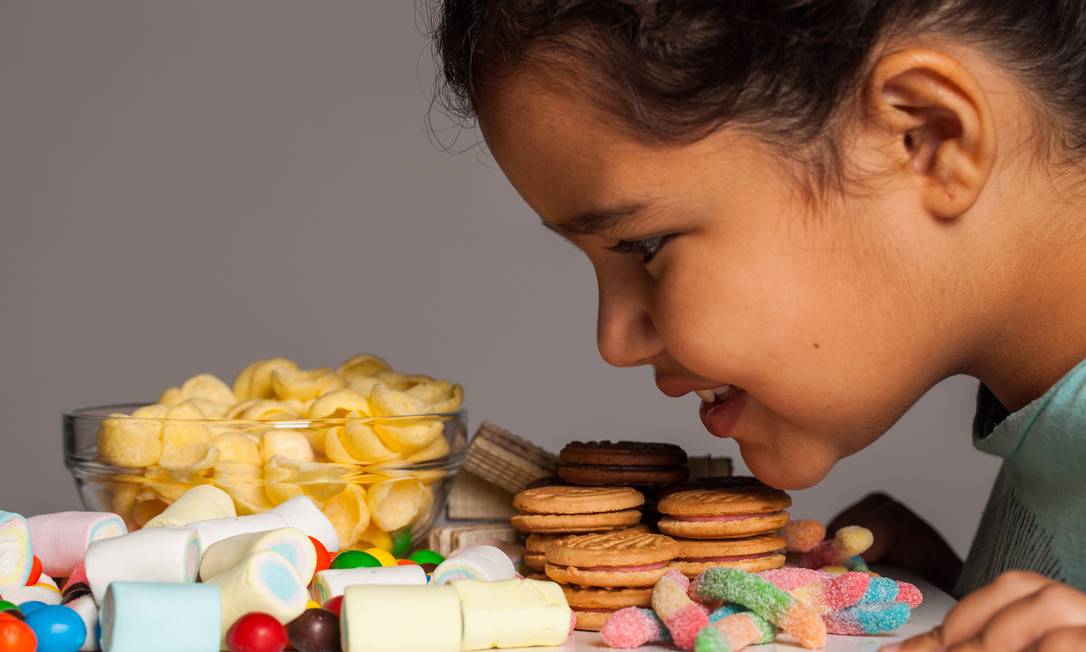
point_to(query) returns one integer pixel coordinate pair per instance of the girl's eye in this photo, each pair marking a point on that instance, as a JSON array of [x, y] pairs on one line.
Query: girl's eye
[[647, 248]]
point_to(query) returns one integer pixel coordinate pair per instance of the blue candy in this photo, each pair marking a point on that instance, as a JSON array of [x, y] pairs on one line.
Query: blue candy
[[30, 606], [58, 628]]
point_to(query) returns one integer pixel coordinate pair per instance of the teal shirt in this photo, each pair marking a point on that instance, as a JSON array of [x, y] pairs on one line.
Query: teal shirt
[[1036, 516]]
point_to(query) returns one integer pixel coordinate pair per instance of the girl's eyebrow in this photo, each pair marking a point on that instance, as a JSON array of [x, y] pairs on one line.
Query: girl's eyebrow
[[598, 221]]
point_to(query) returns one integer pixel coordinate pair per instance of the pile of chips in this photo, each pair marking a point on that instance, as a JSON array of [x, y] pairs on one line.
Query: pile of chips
[[348, 438]]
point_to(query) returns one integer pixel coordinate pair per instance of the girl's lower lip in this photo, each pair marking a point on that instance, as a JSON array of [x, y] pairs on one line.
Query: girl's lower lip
[[720, 418]]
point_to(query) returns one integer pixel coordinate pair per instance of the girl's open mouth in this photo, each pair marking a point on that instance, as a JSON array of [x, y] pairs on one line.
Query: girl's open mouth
[[721, 408]]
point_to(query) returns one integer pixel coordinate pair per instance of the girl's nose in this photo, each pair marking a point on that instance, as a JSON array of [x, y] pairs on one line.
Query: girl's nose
[[625, 333]]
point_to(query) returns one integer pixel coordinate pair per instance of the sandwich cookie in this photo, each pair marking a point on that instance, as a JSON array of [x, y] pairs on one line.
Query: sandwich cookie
[[611, 559], [752, 554], [621, 463], [561, 508], [594, 606], [535, 549], [742, 509]]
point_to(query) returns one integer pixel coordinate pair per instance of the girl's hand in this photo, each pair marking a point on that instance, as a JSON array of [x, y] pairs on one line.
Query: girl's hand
[[902, 539], [1018, 611]]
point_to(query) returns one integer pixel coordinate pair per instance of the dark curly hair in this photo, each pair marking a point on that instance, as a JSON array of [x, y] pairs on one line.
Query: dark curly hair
[[673, 71]]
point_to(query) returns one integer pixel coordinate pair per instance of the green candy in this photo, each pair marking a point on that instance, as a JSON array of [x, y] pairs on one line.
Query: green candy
[[355, 559], [424, 556], [401, 542], [7, 606]]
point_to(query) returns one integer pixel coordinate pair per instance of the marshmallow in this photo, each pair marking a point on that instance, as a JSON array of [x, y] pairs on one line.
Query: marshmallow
[[387, 618], [291, 543], [512, 613], [88, 611], [332, 583], [264, 581], [162, 554], [475, 563], [40, 592], [154, 617], [215, 530], [16, 558], [302, 513], [202, 503], [61, 539]]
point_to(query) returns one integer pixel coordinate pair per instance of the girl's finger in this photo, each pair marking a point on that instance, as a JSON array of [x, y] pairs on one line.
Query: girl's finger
[[1020, 624], [971, 615]]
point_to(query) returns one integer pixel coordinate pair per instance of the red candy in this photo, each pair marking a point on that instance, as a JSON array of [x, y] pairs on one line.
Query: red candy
[[406, 562], [15, 635], [324, 558], [256, 632], [35, 572], [335, 605]]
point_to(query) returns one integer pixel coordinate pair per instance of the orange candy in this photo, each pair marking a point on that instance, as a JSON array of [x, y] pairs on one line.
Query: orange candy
[[324, 558], [35, 572], [15, 635], [406, 562]]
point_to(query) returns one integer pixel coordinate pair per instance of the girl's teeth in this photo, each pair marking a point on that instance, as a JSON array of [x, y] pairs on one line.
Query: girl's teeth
[[715, 394]]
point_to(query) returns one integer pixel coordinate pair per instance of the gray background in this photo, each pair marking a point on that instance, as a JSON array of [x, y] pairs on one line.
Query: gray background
[[188, 186]]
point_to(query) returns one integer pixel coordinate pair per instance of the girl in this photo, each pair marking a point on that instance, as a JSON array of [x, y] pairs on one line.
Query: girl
[[809, 212]]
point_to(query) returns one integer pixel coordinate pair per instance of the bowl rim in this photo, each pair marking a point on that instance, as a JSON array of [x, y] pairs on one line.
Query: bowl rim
[[101, 413]]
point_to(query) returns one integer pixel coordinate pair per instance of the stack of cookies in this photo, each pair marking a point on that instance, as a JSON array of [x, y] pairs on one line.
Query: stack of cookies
[[734, 524], [601, 573], [622, 463], [549, 514]]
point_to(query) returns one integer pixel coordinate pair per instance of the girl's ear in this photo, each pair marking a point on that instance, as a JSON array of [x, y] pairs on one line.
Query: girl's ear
[[939, 118]]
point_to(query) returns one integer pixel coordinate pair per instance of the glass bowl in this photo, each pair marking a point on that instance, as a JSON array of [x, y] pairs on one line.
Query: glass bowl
[[382, 481]]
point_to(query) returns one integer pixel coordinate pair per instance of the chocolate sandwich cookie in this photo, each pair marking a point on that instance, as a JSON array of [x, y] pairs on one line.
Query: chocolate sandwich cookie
[[565, 509], [743, 509], [751, 554], [611, 559], [621, 463], [594, 606]]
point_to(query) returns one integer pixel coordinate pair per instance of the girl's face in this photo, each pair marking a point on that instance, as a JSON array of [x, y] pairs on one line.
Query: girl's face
[[827, 320]]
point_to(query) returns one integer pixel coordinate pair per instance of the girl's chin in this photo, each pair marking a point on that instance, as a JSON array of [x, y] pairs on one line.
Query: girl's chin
[[790, 472]]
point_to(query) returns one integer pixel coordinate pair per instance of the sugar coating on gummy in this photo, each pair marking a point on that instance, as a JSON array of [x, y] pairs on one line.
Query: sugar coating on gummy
[[302, 513], [632, 627], [735, 632], [766, 600], [848, 542], [291, 543], [481, 562], [820, 591], [133, 618], [201, 503], [513, 613], [803, 535], [265, 582], [331, 583], [867, 619], [16, 557], [683, 617], [61, 539], [156, 555]]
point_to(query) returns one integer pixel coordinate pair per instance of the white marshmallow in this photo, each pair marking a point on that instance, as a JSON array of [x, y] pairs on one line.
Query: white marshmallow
[[512, 613], [201, 503], [162, 554], [215, 530], [475, 563], [400, 619], [88, 611], [16, 557], [290, 542], [264, 581], [302, 513], [332, 583], [40, 592]]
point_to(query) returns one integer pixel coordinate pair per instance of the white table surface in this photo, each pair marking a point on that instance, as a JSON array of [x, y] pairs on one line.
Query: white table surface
[[929, 614]]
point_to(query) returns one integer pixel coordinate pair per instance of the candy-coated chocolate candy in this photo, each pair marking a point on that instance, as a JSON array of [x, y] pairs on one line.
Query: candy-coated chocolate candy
[[355, 559], [7, 606], [30, 606], [57, 628], [406, 562], [75, 591], [383, 557], [401, 541], [429, 568], [424, 556], [15, 635], [316, 630], [324, 558], [35, 572], [335, 605], [312, 604], [256, 632]]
